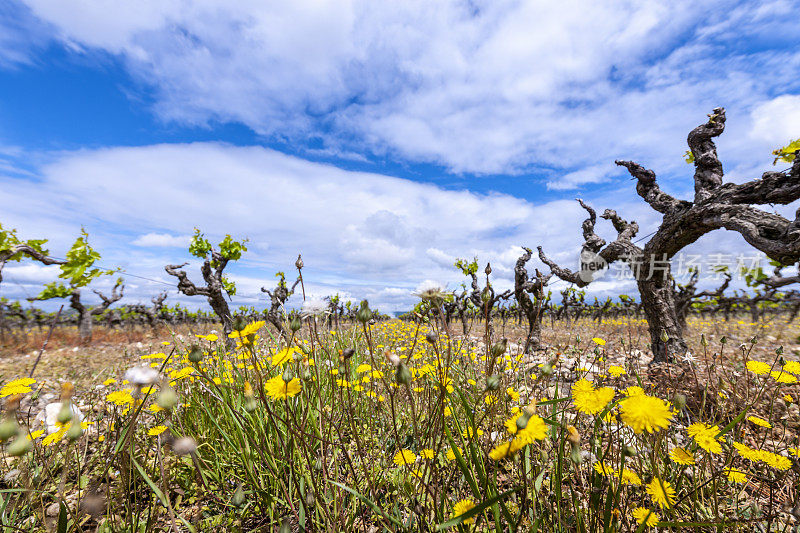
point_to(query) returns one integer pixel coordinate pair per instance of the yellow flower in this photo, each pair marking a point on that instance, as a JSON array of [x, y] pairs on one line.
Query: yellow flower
[[109, 381], [514, 395], [661, 492], [36, 434], [788, 398], [182, 373], [758, 367], [405, 457], [642, 515], [598, 341], [17, 386], [248, 330], [759, 421], [705, 436], [783, 377], [462, 507], [629, 477], [589, 400], [277, 389], [746, 451], [120, 397], [792, 366], [501, 451], [426, 453], [468, 433], [451, 454], [604, 469], [616, 371], [682, 456], [645, 413], [282, 356], [633, 391], [157, 430], [734, 475], [795, 451], [774, 460]]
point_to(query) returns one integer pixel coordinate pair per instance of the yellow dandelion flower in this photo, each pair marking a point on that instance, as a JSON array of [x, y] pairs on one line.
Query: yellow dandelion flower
[[645, 413], [589, 400], [598, 341], [758, 367], [783, 377], [735, 476], [682, 456], [633, 391], [792, 366], [109, 381], [277, 389], [604, 469], [759, 421], [406, 457], [120, 397], [17, 386], [616, 371], [36, 434], [788, 398], [468, 433], [462, 507], [248, 330], [280, 358], [645, 516], [156, 430], [629, 477], [795, 451], [501, 451], [661, 492], [774, 460], [426, 453], [514, 395], [451, 454], [705, 436]]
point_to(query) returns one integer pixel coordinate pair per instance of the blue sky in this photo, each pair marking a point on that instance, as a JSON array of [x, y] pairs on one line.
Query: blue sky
[[380, 140]]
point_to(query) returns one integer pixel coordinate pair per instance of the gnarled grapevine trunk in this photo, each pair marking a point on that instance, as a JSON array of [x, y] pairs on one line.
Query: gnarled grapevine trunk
[[658, 301]]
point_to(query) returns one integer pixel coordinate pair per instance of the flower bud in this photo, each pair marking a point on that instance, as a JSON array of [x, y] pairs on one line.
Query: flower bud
[[629, 451], [664, 337], [238, 324], [499, 348], [679, 401], [287, 374], [75, 431], [65, 413], [167, 398], [348, 353], [754, 339], [8, 428], [431, 338], [723, 340], [19, 446], [364, 314], [184, 446], [238, 496], [493, 382], [299, 263], [522, 421], [195, 354], [779, 350], [403, 374], [295, 324]]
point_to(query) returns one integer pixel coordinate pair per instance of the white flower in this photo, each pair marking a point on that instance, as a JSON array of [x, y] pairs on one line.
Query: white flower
[[430, 290], [142, 375], [314, 307]]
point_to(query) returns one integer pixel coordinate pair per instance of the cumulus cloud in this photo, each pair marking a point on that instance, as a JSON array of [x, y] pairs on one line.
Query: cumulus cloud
[[480, 87]]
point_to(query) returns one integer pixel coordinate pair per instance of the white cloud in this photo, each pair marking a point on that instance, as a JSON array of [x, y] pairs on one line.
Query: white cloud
[[361, 235], [777, 121], [162, 240], [485, 87]]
